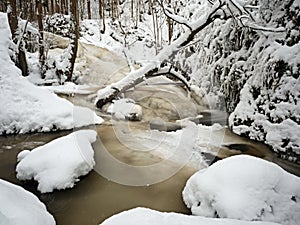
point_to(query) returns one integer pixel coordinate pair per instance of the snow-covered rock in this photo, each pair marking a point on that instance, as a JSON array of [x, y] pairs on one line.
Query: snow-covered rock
[[27, 108], [246, 188], [20, 207], [59, 163], [125, 109], [144, 216]]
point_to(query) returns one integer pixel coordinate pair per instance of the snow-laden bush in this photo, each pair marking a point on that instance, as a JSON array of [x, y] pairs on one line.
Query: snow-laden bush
[[245, 188], [58, 24], [253, 71]]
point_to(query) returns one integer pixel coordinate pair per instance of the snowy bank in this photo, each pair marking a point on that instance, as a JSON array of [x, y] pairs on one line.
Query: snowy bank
[[27, 108], [58, 164], [143, 216], [246, 188], [20, 207]]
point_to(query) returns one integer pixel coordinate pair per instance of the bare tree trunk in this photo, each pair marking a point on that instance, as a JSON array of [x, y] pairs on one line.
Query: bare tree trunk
[[102, 31], [52, 7], [89, 9], [74, 38], [170, 26], [12, 18], [31, 11], [62, 7], [13, 23], [132, 8], [41, 39], [67, 7], [57, 9], [100, 9]]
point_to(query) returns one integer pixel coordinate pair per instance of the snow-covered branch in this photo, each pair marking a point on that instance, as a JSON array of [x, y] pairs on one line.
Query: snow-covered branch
[[215, 10], [171, 15]]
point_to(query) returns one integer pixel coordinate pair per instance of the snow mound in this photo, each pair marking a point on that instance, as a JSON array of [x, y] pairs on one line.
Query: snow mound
[[27, 108], [59, 163], [20, 207], [125, 109], [144, 216], [246, 188]]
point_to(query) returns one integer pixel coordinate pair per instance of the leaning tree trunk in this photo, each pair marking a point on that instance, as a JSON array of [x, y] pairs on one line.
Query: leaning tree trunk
[[74, 37]]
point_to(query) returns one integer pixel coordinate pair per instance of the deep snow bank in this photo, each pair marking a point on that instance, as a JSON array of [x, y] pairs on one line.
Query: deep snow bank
[[59, 163], [27, 108], [246, 188], [143, 216], [20, 207]]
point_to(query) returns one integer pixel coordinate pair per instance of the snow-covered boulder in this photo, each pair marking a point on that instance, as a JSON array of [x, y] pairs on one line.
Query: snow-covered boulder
[[126, 109], [20, 207], [27, 108], [144, 216], [246, 188], [59, 163]]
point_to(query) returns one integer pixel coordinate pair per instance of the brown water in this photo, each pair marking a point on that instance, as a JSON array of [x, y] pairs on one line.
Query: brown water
[[95, 198]]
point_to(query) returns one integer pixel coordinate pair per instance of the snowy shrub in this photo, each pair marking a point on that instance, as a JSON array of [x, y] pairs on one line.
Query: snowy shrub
[[253, 71], [58, 24]]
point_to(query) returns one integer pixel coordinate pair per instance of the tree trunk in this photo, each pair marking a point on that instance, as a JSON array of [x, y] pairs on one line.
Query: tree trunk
[[102, 31], [66, 7], [41, 39], [62, 7], [12, 18], [57, 9], [100, 9], [75, 37], [21, 62], [170, 26], [31, 11], [52, 8], [89, 9]]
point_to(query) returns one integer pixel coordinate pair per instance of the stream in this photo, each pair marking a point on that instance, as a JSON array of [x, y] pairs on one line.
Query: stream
[[96, 197]]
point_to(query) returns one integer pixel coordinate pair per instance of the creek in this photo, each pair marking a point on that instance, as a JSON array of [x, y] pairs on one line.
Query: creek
[[96, 197]]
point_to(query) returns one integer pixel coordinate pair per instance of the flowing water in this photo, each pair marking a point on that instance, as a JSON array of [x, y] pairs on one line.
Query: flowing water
[[95, 197]]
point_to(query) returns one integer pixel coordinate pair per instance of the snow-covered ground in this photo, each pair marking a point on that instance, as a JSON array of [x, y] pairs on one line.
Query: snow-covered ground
[[143, 216], [59, 163], [28, 108], [20, 207], [246, 188]]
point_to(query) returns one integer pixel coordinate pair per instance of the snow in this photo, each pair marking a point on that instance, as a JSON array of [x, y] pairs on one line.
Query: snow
[[125, 108], [27, 108], [69, 88], [20, 207], [59, 163], [144, 216], [246, 188]]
